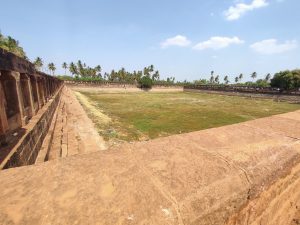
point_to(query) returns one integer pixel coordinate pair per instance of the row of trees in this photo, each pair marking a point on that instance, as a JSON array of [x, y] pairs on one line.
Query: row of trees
[[237, 79], [148, 76], [38, 63], [215, 79], [80, 71]]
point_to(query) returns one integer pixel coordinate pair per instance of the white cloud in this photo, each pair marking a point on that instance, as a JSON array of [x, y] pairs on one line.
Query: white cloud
[[218, 43], [178, 40], [271, 46], [239, 9]]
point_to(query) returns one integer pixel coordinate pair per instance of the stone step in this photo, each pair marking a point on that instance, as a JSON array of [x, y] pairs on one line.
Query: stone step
[[45, 148], [69, 134], [64, 144], [55, 151]]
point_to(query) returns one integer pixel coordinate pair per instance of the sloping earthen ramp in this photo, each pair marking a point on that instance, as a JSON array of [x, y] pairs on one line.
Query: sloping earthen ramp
[[246, 173]]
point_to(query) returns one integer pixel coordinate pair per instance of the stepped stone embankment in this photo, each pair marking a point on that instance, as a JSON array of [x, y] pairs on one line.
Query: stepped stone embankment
[[71, 132]]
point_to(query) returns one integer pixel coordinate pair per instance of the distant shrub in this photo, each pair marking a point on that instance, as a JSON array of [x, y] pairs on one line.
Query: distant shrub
[[146, 82], [65, 77], [286, 80], [262, 83]]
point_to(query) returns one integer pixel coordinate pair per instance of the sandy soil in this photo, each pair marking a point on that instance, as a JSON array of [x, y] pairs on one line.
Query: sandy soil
[[246, 173]]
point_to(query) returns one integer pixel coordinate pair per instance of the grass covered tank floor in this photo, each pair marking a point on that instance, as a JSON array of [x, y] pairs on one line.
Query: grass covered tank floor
[[148, 115]]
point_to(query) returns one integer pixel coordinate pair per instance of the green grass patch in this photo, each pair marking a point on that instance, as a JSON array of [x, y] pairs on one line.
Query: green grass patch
[[138, 116]]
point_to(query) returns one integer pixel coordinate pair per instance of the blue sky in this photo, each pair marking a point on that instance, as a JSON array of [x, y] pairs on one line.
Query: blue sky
[[185, 39]]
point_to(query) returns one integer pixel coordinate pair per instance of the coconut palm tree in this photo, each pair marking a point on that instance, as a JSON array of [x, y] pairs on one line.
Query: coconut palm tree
[[65, 67], [226, 79], [52, 67], [155, 76], [151, 68], [98, 70], [253, 75], [73, 69], [268, 76], [217, 79], [38, 63], [106, 76], [241, 76], [80, 69], [212, 79], [236, 79]]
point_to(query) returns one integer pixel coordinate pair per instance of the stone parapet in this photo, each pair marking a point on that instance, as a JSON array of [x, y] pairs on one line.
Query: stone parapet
[[24, 92], [26, 150]]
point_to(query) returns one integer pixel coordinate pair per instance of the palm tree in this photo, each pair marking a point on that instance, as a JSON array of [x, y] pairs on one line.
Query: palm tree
[[73, 68], [226, 79], [113, 75], [241, 76], [236, 79], [38, 63], [52, 67], [253, 75], [217, 79], [155, 76], [106, 76], [80, 68], [268, 76], [65, 67], [122, 74], [98, 70], [151, 68]]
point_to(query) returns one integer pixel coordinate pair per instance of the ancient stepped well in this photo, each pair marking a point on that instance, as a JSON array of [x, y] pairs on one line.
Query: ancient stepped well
[[247, 173]]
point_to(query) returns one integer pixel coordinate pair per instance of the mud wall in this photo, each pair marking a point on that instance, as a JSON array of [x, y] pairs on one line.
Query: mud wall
[[115, 85], [118, 87], [275, 97]]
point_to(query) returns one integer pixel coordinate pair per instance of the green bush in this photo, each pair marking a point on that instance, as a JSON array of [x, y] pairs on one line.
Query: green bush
[[262, 83], [286, 80], [12, 45], [65, 77], [146, 82]]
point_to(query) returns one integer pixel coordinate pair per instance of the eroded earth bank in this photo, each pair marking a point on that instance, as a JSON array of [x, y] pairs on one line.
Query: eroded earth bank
[[246, 173]]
